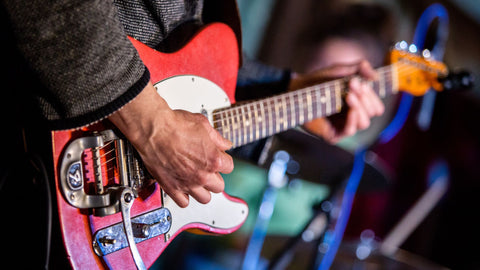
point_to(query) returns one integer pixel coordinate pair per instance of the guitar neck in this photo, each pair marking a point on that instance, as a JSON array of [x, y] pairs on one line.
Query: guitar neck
[[248, 122]]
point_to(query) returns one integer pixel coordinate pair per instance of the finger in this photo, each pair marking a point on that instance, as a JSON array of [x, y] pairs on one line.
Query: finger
[[355, 86], [220, 162], [366, 100], [219, 140], [178, 196], [366, 70], [350, 124], [377, 103], [215, 184], [200, 194], [357, 117], [226, 165], [171, 186], [369, 99], [363, 120]]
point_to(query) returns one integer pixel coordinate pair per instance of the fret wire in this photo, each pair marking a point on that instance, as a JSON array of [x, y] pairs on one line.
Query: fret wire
[[236, 130], [270, 120], [227, 126], [218, 123], [246, 124], [264, 120], [283, 111], [228, 119], [300, 109], [241, 121], [257, 120], [386, 69], [240, 125], [309, 106], [305, 107], [290, 110], [236, 126], [318, 107], [390, 76], [292, 106], [277, 116], [249, 137], [328, 104], [219, 127], [323, 100], [252, 126], [338, 96], [278, 120]]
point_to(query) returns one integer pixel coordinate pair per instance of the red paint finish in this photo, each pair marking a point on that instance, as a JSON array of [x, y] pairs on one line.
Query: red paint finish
[[213, 54]]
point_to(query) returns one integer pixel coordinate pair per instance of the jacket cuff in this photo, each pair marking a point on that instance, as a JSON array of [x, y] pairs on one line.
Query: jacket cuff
[[102, 112]]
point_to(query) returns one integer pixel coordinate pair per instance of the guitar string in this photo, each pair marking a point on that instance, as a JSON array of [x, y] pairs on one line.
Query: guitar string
[[113, 159], [309, 90], [301, 96], [301, 93], [305, 91], [240, 134]]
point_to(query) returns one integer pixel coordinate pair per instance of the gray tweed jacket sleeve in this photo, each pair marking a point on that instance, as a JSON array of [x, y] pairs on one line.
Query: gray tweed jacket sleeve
[[80, 52]]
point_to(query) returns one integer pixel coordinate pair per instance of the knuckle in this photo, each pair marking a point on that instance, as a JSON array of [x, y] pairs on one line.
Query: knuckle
[[203, 180], [214, 163], [202, 119]]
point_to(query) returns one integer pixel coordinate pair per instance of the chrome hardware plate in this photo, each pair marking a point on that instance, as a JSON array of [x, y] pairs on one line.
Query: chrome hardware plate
[[113, 238]]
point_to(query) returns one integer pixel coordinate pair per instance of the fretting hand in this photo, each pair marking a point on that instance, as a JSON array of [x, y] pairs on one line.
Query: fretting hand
[[362, 102]]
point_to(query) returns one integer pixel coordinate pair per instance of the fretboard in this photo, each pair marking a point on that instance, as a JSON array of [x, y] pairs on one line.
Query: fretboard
[[248, 122]]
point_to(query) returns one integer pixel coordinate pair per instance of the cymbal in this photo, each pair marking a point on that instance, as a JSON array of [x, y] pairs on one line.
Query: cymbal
[[319, 161]]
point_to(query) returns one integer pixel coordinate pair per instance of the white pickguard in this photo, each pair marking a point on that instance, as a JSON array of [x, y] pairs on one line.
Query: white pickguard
[[220, 213], [199, 95], [193, 93]]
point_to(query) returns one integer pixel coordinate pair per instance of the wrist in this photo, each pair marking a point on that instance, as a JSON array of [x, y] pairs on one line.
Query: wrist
[[139, 117]]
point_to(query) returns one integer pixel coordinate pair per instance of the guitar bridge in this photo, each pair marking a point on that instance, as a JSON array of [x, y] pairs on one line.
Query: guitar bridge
[[95, 168]]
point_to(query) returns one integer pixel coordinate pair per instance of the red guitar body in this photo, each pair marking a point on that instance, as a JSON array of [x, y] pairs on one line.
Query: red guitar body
[[212, 54]]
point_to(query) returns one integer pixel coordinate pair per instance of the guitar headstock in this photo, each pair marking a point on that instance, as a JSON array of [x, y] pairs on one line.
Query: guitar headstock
[[416, 73]]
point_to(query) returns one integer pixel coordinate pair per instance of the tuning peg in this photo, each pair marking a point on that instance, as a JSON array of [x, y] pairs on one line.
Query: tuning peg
[[401, 46], [412, 48], [426, 54]]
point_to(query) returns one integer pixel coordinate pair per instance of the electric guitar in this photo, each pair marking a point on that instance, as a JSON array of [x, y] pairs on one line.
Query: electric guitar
[[113, 215]]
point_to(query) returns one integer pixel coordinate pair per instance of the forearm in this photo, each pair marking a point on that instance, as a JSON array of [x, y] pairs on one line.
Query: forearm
[[80, 53]]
